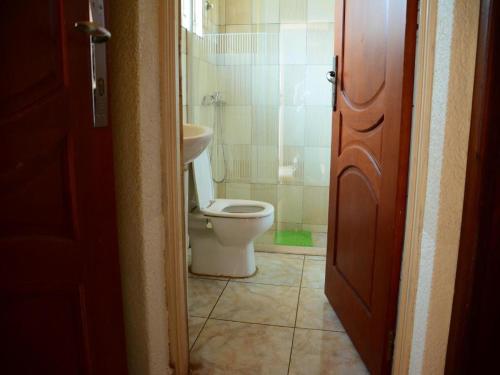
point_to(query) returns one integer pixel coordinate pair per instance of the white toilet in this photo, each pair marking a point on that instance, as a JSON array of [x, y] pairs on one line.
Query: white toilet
[[222, 231]]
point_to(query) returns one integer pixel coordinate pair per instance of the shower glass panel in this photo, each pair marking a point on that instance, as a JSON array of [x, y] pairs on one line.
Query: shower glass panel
[[256, 75]]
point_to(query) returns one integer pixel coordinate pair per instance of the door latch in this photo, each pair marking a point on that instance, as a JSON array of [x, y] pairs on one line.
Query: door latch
[[331, 77], [99, 35]]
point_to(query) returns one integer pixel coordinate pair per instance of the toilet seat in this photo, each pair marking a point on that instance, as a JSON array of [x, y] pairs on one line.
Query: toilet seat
[[238, 208]]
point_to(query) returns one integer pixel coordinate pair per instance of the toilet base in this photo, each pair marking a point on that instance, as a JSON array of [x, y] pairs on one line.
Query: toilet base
[[210, 258]]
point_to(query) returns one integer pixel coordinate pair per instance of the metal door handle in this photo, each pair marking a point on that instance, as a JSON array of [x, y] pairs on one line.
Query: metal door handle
[[98, 33], [331, 77]]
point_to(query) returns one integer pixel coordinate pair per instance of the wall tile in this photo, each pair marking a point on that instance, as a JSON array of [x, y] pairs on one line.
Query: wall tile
[[318, 89], [293, 11], [321, 11], [265, 120], [238, 163], [316, 205], [316, 166], [293, 44], [266, 11], [265, 193], [265, 164], [235, 84], [266, 44], [293, 87], [289, 204], [265, 85], [318, 126], [319, 43], [238, 191], [291, 165], [236, 126], [238, 12], [292, 122]]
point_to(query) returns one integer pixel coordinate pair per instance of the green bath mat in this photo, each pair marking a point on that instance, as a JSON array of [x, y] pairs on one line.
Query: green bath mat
[[293, 238]]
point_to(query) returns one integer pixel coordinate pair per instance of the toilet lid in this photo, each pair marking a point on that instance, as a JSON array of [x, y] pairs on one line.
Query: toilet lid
[[202, 173]]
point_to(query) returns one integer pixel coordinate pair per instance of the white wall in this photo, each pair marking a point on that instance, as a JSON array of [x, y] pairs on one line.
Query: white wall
[[457, 22], [134, 68]]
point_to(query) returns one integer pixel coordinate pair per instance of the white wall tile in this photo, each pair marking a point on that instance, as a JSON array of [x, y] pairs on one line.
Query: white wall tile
[[289, 204], [265, 164], [237, 128], [291, 165], [293, 87], [319, 43], [265, 121], [316, 166], [238, 163], [318, 89], [293, 11], [238, 191], [238, 12], [235, 84], [266, 11], [318, 126], [293, 44], [315, 204], [266, 44], [265, 85], [321, 11], [292, 122], [265, 193]]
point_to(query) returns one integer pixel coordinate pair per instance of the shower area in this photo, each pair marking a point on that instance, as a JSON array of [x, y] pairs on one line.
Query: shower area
[[254, 71]]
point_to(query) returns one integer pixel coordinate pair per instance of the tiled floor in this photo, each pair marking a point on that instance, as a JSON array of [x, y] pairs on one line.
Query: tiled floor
[[276, 322]]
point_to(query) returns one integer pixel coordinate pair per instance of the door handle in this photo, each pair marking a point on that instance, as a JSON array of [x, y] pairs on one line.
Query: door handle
[[98, 33], [331, 77]]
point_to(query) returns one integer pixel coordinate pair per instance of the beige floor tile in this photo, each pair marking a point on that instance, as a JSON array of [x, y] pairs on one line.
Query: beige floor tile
[[319, 239], [316, 257], [323, 353], [314, 274], [202, 295], [240, 348], [258, 303], [277, 269], [195, 326], [315, 311]]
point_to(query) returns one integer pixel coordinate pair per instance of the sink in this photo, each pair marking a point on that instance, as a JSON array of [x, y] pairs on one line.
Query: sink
[[196, 139]]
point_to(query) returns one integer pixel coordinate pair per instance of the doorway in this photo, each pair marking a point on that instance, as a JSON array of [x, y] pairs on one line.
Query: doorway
[[254, 72]]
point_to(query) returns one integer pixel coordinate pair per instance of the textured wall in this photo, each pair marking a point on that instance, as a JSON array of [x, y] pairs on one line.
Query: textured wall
[[450, 122], [135, 113]]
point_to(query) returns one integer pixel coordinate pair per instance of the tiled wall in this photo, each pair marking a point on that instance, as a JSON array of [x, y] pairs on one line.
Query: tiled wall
[[269, 59]]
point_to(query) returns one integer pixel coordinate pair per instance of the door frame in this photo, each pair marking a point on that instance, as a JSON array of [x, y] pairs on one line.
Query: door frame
[[473, 252], [173, 182], [175, 268]]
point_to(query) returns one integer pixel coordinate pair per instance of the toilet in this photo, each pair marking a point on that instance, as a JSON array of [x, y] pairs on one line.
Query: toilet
[[222, 231]]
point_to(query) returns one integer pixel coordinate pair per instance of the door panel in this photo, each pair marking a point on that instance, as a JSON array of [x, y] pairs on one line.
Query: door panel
[[60, 298], [375, 44]]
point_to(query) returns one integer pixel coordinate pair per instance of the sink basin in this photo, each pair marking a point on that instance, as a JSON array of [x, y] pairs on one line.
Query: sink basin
[[196, 139]]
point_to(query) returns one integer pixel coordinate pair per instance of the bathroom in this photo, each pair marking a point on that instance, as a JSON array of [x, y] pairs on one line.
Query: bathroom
[[253, 71]]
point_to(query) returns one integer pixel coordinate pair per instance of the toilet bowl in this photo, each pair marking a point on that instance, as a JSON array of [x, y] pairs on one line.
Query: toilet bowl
[[222, 231]]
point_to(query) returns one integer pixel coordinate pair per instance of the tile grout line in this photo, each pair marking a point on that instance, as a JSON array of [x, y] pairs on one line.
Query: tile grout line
[[208, 317], [296, 314]]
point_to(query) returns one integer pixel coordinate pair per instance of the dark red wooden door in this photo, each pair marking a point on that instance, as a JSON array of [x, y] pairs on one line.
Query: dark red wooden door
[[60, 297], [375, 45]]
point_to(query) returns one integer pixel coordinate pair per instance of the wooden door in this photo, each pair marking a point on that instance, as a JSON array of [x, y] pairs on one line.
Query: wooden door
[[60, 297], [375, 48]]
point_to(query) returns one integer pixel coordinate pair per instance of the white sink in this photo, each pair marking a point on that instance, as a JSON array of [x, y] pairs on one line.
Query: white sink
[[196, 139]]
